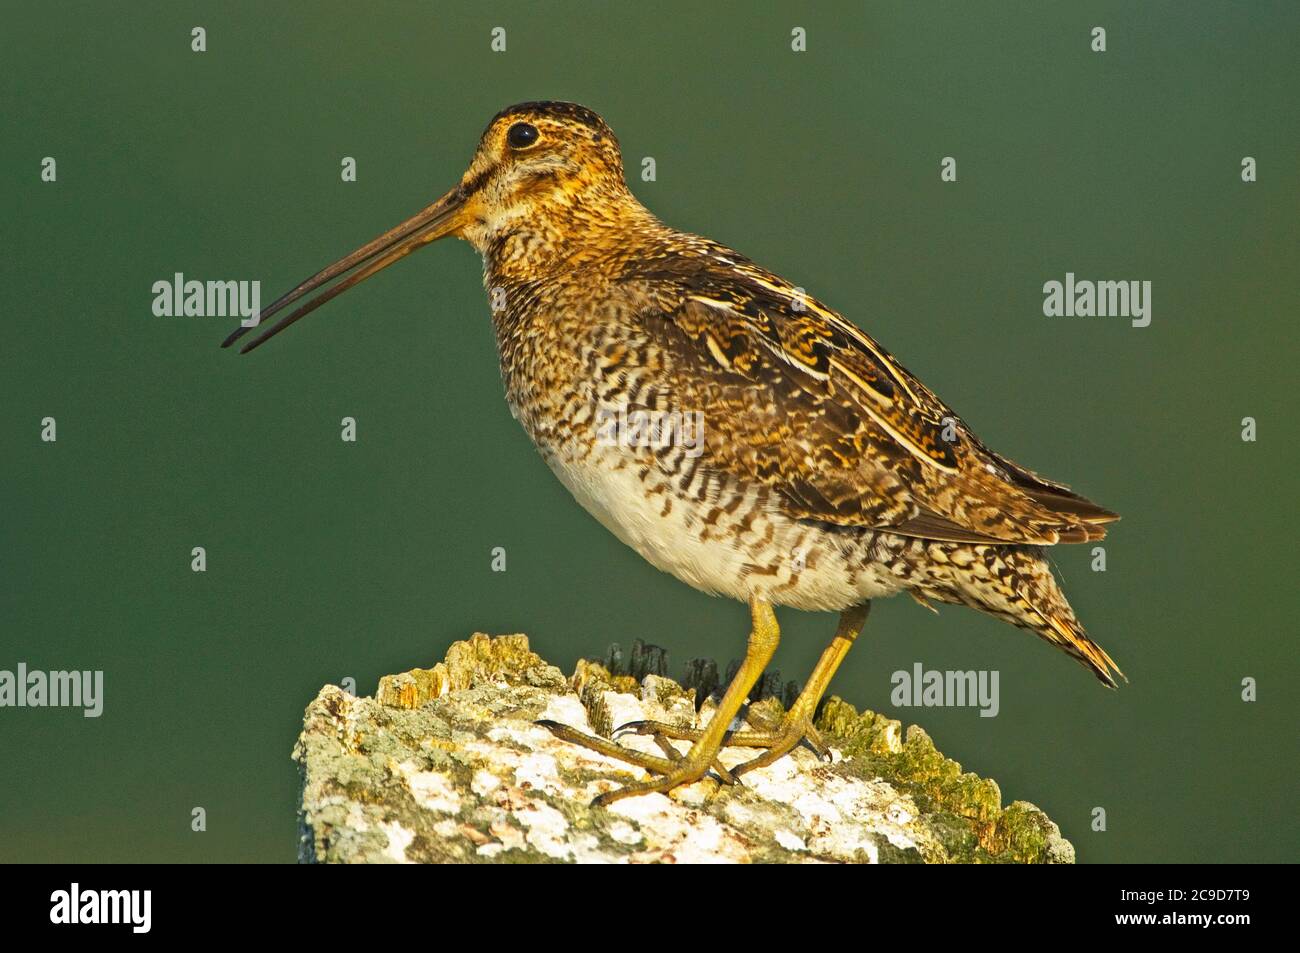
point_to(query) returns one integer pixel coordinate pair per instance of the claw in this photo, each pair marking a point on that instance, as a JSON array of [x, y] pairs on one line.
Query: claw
[[818, 747], [725, 776], [608, 748], [633, 727]]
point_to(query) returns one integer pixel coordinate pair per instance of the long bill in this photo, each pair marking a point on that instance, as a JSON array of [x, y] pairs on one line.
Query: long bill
[[428, 225]]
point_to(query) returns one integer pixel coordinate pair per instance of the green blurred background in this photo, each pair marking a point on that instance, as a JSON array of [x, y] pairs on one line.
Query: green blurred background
[[328, 559]]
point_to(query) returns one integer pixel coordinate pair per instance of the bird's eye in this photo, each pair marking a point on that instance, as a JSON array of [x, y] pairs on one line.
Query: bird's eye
[[522, 135]]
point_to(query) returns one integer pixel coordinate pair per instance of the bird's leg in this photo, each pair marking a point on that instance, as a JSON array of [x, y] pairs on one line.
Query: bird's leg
[[796, 726], [641, 759], [725, 776], [608, 748], [674, 767], [692, 766], [764, 732]]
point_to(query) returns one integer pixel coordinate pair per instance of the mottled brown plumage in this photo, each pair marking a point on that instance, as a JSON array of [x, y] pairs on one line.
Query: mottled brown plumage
[[826, 475]]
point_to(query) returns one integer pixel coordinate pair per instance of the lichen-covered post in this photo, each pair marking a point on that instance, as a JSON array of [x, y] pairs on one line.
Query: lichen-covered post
[[445, 764]]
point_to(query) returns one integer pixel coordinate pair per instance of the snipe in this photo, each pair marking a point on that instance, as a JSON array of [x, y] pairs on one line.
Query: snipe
[[824, 474]]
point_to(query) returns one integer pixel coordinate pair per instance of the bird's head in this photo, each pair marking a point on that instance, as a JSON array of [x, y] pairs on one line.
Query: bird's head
[[547, 178], [541, 166]]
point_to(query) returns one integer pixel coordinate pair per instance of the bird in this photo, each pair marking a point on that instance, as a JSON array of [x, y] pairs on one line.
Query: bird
[[733, 430]]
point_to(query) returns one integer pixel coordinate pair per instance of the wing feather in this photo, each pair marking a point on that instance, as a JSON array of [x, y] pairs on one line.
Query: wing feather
[[808, 404]]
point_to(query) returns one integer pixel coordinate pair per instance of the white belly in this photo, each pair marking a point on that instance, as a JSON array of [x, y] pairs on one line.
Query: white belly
[[751, 550]]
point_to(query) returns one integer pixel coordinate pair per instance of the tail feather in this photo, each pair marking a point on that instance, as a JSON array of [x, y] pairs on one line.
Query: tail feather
[[1068, 634], [1015, 583]]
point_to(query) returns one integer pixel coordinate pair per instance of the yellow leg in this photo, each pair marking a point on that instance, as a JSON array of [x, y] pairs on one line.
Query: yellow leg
[[797, 724], [612, 749], [763, 639]]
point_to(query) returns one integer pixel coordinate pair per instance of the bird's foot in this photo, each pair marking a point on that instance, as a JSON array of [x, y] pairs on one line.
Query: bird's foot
[[779, 737], [674, 768], [686, 771], [794, 729]]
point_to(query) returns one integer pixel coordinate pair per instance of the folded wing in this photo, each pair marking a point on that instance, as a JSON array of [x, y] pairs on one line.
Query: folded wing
[[826, 418]]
